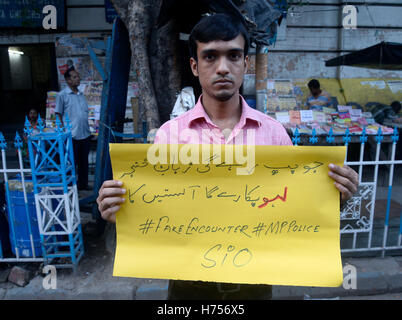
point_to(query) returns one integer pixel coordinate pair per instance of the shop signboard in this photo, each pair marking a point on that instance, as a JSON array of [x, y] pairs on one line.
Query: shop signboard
[[29, 13], [110, 11]]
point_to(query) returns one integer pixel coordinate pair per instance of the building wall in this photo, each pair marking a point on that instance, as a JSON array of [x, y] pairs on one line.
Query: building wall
[[309, 36], [83, 16], [20, 70], [314, 33], [86, 15], [5, 73], [22, 89]]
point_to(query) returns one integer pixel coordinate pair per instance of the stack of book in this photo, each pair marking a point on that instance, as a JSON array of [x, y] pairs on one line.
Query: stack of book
[[50, 108], [338, 119]]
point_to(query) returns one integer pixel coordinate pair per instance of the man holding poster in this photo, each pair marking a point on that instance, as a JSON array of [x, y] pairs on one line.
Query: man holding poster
[[218, 47]]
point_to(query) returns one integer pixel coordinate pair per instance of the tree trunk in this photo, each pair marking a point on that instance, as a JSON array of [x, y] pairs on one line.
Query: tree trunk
[[165, 68], [154, 57]]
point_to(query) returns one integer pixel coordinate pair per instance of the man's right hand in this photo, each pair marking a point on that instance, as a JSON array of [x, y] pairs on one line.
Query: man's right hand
[[109, 199]]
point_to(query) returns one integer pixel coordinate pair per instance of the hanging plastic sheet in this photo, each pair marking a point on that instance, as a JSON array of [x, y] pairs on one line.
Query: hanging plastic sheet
[[259, 16], [385, 55]]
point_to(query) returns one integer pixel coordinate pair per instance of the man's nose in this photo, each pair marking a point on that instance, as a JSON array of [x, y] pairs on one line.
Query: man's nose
[[223, 66]]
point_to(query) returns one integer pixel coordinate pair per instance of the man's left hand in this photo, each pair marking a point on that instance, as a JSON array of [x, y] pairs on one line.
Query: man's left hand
[[346, 180]]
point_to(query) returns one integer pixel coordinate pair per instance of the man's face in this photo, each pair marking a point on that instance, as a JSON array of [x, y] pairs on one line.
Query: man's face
[[315, 91], [220, 67], [74, 80], [33, 115]]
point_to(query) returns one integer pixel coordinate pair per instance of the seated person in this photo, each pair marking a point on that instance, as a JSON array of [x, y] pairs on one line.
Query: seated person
[[33, 117], [33, 121], [318, 98]]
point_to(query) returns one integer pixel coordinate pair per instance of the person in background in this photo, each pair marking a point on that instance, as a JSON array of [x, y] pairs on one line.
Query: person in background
[[33, 120], [33, 117], [71, 101], [318, 98]]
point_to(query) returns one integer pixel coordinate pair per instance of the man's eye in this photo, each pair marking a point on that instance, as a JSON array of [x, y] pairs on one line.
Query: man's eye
[[209, 57], [235, 56]]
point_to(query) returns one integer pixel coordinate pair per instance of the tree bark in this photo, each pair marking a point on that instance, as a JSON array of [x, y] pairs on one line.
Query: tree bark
[[154, 57], [165, 67], [121, 7]]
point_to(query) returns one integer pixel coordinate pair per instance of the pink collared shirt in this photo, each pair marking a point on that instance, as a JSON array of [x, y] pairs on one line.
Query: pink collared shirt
[[195, 127]]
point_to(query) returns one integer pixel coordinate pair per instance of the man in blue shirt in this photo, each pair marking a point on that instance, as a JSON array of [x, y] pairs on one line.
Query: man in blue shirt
[[71, 102], [318, 98]]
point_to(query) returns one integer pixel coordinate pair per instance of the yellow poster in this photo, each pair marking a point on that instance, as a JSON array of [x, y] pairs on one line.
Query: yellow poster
[[237, 214]]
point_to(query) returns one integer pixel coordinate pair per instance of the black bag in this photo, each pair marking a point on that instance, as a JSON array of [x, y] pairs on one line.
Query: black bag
[[382, 112]]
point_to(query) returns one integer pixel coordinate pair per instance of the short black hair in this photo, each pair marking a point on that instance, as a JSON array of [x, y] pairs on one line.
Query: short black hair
[[67, 74], [220, 26], [314, 84]]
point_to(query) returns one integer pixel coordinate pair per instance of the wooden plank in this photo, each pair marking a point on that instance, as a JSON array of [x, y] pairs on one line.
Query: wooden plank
[[376, 16], [85, 2], [348, 72], [39, 38], [311, 15], [301, 65], [308, 39], [362, 38], [328, 16]]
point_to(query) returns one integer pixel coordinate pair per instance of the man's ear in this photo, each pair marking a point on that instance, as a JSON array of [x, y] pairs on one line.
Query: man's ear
[[246, 64], [194, 66]]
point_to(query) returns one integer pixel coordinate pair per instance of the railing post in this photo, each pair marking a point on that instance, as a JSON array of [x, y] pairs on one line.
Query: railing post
[[296, 138], [394, 139]]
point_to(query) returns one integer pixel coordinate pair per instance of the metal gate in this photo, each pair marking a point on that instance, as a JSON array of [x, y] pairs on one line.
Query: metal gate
[[370, 221], [367, 221]]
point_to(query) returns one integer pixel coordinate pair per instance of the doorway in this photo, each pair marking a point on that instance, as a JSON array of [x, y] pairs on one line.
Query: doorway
[[27, 73]]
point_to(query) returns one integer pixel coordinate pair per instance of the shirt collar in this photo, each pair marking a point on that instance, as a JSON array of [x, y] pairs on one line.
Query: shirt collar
[[69, 91], [248, 113]]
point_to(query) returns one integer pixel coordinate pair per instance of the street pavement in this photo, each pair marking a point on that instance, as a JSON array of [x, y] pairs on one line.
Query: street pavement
[[390, 296], [376, 278], [364, 278]]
